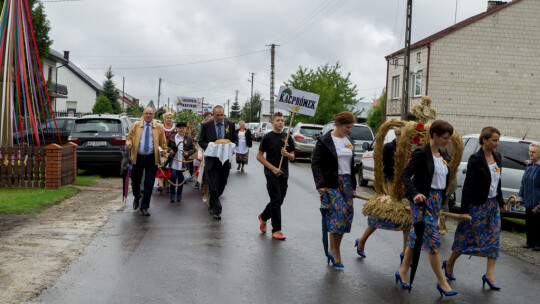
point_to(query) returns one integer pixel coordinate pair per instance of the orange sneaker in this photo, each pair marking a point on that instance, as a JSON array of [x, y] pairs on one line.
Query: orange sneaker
[[278, 235], [262, 224]]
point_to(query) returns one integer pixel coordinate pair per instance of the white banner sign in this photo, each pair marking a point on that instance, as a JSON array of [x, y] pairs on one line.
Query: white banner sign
[[297, 101], [188, 103]]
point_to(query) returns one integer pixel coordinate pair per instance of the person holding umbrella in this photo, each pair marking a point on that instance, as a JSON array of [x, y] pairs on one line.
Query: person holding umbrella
[[426, 178], [332, 165], [482, 200]]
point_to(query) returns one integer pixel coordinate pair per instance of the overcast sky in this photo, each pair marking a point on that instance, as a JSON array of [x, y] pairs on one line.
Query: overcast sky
[[208, 48]]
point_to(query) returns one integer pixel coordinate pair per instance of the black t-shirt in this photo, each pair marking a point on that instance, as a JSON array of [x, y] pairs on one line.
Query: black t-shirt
[[271, 144]]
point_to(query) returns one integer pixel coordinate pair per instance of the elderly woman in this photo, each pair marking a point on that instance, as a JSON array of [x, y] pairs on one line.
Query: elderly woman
[[482, 200], [332, 165], [243, 145], [426, 178], [169, 128], [529, 195]]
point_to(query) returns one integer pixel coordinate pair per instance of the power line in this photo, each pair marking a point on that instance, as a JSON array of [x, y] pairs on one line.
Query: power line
[[178, 64]]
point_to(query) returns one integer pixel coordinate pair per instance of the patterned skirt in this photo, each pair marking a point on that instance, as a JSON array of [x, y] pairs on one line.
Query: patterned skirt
[[242, 158], [431, 241], [481, 235], [339, 203]]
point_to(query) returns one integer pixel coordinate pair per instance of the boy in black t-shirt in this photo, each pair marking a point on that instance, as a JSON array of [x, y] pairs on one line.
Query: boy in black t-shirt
[[273, 144]]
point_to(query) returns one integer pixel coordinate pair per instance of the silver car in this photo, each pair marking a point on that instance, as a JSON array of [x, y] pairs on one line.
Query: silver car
[[514, 152], [305, 137]]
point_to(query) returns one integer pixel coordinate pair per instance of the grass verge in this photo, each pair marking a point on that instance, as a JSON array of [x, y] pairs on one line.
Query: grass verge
[[514, 225], [85, 178], [27, 201]]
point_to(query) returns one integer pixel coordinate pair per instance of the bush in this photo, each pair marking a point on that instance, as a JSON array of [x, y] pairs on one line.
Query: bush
[[102, 106]]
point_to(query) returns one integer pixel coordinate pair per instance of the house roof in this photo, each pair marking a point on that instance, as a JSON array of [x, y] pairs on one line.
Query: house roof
[[57, 56], [84, 77], [453, 28]]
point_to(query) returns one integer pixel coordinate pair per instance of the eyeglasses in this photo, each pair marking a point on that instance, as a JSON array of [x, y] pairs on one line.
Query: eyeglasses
[[148, 113], [447, 138]]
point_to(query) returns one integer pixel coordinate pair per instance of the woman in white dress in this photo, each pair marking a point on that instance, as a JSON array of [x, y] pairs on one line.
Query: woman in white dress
[[243, 145]]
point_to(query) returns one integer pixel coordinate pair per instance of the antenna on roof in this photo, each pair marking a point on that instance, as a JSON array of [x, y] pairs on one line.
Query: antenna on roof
[[526, 133]]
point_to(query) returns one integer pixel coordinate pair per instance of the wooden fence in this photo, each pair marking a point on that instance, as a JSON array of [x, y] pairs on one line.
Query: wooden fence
[[32, 167]]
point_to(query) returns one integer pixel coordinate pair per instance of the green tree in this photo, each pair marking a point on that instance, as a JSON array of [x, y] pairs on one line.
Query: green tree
[[109, 91], [375, 116], [134, 110], [255, 110], [337, 93], [235, 111], [102, 106]]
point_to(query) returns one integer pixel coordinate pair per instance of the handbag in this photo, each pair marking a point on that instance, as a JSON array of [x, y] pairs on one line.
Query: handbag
[[186, 174]]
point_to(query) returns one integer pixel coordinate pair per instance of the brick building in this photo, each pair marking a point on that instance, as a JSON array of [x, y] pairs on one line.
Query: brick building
[[482, 71]]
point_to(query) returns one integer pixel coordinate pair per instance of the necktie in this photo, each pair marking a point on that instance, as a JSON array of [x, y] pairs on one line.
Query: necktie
[[219, 135], [147, 139]]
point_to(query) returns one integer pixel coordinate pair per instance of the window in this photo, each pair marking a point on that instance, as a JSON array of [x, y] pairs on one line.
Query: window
[[395, 87], [514, 154], [310, 131], [361, 133], [49, 77], [416, 84], [71, 107], [98, 126], [471, 146], [418, 57]]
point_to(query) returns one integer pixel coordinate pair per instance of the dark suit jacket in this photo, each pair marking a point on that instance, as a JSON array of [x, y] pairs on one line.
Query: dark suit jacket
[[249, 142], [188, 145], [421, 166], [208, 135], [324, 164], [478, 181]]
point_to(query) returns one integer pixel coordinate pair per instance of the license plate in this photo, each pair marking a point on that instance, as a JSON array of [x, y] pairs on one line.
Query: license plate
[[309, 141], [96, 144]]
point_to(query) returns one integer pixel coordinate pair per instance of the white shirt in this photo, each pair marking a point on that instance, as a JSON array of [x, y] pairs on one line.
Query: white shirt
[[438, 181], [495, 177], [178, 165], [344, 151]]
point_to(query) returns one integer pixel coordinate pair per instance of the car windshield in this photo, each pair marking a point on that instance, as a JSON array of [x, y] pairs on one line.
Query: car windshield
[[98, 126], [361, 133], [310, 130]]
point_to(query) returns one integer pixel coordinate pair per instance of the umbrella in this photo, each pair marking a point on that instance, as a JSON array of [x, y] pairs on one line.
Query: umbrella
[[324, 211], [124, 171], [419, 228]]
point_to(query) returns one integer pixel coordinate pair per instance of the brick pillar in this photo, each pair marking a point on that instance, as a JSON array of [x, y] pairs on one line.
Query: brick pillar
[[53, 166], [74, 145]]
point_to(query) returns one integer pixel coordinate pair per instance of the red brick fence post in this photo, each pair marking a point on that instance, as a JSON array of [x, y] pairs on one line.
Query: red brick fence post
[[53, 154]]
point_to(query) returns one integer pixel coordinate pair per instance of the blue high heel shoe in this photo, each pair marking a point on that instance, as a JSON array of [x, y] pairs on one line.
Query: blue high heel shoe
[[445, 293], [360, 253], [331, 258], [491, 286], [450, 276], [403, 285]]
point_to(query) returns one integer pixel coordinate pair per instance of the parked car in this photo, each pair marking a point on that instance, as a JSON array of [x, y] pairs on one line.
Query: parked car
[[285, 129], [360, 134], [48, 132], [368, 163], [134, 119], [259, 131], [100, 138], [514, 152], [305, 136]]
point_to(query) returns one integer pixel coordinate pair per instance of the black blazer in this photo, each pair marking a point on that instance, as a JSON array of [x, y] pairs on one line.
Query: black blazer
[[421, 166], [249, 143], [324, 164], [478, 181], [208, 135], [188, 144]]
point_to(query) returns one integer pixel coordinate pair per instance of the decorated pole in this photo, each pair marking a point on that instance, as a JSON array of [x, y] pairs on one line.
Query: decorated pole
[[296, 101]]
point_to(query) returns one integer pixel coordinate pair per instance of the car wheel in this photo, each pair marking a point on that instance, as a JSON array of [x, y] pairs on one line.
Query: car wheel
[[361, 181]]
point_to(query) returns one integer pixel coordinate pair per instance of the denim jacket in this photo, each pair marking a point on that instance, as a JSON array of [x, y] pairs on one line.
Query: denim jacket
[[529, 192]]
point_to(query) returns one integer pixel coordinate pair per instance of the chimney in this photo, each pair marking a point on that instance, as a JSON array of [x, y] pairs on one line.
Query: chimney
[[494, 4], [66, 55]]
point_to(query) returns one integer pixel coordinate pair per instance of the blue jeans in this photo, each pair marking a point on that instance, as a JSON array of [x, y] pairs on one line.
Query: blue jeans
[[177, 177]]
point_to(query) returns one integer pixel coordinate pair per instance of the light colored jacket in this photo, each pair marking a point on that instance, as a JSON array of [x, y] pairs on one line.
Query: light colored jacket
[[134, 138]]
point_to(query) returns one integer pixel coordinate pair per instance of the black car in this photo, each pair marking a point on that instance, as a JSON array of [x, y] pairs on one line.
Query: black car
[[100, 138], [47, 132]]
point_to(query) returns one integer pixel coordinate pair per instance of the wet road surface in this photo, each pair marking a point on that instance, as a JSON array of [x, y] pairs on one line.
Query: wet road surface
[[181, 255]]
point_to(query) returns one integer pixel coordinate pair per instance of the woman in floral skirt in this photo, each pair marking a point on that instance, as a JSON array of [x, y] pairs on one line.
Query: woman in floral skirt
[[482, 200]]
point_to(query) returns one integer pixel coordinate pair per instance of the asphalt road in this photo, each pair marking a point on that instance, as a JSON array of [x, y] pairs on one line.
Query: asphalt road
[[181, 255]]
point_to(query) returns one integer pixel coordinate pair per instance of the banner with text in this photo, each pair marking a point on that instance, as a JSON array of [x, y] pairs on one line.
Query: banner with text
[[188, 103], [297, 101]]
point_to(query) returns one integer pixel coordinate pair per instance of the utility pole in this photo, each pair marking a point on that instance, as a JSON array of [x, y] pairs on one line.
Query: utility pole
[[123, 86], [159, 93], [251, 102], [228, 109], [272, 74], [406, 62], [168, 103], [236, 102]]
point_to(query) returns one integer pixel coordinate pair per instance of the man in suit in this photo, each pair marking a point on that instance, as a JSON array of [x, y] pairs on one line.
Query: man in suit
[[216, 173], [145, 136]]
